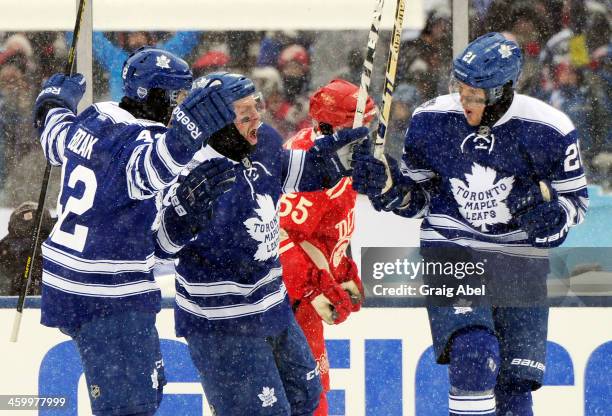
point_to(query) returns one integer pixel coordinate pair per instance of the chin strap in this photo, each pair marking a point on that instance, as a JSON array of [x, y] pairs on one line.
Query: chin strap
[[495, 111], [230, 143]]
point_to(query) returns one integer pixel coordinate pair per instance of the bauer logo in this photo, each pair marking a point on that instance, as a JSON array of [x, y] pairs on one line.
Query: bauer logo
[[528, 363]]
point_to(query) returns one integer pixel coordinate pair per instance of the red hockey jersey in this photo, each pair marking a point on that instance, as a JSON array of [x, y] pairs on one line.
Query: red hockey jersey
[[323, 219]]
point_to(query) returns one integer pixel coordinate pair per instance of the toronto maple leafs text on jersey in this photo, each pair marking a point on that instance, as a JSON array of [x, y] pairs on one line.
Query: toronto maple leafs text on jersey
[[100, 253], [467, 173], [229, 277]]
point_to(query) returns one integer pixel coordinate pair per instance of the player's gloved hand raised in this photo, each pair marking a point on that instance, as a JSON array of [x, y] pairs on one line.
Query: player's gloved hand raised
[[195, 194], [332, 153], [370, 178], [331, 302], [545, 222], [351, 283], [60, 90], [204, 112]]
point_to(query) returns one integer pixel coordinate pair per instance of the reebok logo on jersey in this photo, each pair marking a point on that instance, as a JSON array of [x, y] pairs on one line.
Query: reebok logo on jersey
[[481, 199], [528, 363], [181, 117]]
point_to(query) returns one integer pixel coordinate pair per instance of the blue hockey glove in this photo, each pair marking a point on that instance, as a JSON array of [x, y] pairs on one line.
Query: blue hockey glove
[[194, 196], [204, 112], [370, 178], [545, 222], [60, 90], [332, 153]]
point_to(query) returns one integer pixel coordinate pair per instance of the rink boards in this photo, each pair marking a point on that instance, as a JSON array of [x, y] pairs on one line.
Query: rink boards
[[380, 362]]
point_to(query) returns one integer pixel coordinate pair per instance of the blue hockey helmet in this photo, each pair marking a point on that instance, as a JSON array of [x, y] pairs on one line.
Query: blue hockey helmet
[[489, 62], [238, 85], [148, 68]]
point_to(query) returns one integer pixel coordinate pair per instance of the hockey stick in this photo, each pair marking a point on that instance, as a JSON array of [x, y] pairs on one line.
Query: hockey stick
[[394, 46], [27, 272], [368, 65]]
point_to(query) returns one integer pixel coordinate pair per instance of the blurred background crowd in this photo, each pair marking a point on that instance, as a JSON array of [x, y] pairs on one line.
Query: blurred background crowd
[[566, 44]]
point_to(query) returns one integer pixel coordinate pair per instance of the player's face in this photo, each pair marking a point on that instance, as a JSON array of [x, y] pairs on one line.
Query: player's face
[[248, 116], [472, 100]]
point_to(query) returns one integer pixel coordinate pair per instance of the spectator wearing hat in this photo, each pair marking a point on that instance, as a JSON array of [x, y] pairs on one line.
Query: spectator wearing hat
[[294, 66], [211, 61], [15, 249], [425, 61]]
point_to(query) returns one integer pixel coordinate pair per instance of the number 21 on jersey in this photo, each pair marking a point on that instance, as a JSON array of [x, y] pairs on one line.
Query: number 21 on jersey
[[76, 206]]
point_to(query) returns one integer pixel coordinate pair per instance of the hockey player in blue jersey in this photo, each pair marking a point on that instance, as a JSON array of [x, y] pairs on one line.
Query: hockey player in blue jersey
[[472, 165], [231, 303], [116, 158]]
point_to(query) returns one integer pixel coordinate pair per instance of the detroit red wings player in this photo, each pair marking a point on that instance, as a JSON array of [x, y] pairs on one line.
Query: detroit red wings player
[[316, 229]]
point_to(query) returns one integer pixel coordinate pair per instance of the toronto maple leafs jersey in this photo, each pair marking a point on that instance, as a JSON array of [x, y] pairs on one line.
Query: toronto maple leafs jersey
[[229, 277], [467, 175], [99, 256]]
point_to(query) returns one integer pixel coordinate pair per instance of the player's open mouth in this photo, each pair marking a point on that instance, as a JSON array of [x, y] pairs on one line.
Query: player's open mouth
[[252, 136]]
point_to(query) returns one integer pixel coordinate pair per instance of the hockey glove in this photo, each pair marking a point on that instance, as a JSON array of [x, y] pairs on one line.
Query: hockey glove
[[59, 90], [331, 302], [331, 154], [204, 112], [370, 177], [349, 276], [196, 193], [545, 222]]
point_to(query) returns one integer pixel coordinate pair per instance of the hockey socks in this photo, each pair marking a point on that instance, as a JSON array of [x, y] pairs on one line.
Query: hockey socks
[[473, 369], [514, 399]]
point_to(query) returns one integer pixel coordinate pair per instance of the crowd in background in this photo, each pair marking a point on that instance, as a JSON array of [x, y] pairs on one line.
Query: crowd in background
[[566, 44]]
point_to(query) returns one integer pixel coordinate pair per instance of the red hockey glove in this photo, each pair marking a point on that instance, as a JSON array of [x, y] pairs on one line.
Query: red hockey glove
[[329, 299], [349, 276]]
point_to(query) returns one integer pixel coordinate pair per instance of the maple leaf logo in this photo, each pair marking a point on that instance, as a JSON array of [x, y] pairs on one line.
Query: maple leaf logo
[[506, 50], [267, 397], [264, 228], [482, 200], [162, 61]]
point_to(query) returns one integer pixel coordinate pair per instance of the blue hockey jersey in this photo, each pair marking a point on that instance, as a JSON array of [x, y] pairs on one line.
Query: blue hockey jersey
[[100, 255], [229, 277], [467, 176]]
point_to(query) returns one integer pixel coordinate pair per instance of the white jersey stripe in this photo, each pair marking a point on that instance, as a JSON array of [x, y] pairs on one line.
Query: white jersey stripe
[[164, 240], [445, 221], [98, 290], [164, 155], [100, 266], [294, 173], [233, 311], [570, 185], [227, 287]]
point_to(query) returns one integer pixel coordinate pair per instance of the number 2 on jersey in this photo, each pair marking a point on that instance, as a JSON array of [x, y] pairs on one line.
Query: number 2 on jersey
[[76, 206]]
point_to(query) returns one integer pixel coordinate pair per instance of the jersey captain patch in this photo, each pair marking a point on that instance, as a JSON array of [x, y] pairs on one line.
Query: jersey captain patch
[[481, 199]]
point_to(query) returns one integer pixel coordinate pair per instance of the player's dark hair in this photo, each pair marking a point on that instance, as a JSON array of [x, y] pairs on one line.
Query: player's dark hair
[[230, 143], [156, 107], [494, 112]]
